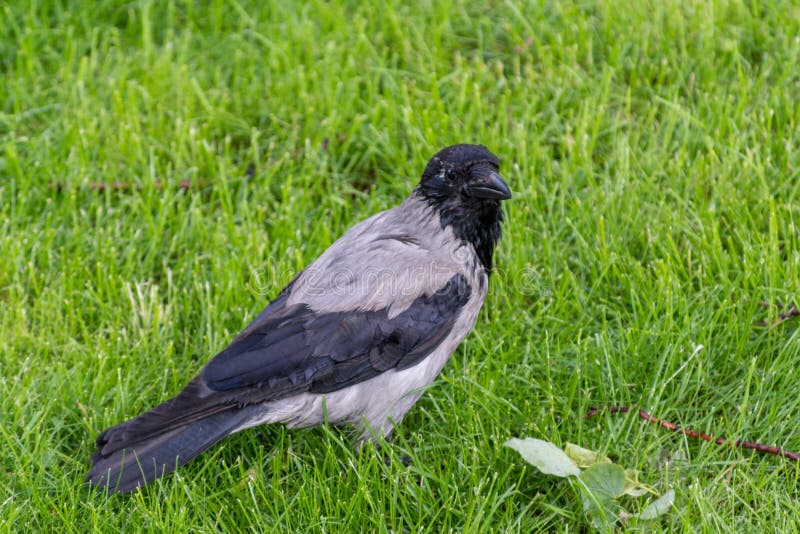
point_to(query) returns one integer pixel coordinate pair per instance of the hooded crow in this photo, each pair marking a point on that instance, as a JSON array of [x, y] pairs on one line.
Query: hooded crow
[[353, 339]]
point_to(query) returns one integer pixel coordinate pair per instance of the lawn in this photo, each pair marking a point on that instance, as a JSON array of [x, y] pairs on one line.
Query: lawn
[[166, 168]]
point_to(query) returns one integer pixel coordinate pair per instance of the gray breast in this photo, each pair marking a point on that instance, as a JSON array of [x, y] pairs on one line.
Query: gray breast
[[385, 262]]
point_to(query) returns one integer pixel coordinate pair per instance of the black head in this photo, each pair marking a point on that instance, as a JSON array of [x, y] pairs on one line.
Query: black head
[[462, 183]]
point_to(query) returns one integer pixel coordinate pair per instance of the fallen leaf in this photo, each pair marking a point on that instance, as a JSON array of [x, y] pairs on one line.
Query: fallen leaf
[[633, 487], [585, 457], [602, 484], [659, 506], [544, 456], [604, 481]]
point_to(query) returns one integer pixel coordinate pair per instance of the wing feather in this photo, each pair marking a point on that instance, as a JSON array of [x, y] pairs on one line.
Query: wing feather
[[322, 352]]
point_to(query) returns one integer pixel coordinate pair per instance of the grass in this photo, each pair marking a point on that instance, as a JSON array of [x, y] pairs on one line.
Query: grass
[[653, 151]]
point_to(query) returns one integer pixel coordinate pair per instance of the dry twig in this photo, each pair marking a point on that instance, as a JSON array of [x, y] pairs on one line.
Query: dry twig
[[788, 314], [760, 447]]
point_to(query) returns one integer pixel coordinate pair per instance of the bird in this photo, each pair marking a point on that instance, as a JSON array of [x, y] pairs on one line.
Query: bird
[[352, 340]]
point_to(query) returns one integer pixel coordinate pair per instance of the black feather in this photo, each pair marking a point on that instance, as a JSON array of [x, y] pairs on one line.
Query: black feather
[[325, 352], [124, 469], [288, 350], [473, 220]]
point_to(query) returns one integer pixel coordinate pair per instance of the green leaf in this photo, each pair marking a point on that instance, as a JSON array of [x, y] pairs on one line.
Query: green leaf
[[544, 456], [659, 506], [602, 484], [585, 457], [633, 487], [604, 517], [604, 481]]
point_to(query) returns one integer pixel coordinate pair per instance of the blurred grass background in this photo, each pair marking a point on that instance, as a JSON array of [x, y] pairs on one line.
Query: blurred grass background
[[165, 168]]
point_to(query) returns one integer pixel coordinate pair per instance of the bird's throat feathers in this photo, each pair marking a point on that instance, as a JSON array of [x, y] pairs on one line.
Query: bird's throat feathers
[[478, 223]]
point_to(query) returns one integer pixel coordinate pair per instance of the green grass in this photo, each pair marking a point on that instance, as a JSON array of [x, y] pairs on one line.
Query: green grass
[[653, 149]]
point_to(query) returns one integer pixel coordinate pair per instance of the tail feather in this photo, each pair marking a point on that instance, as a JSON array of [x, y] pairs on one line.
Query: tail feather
[[135, 462]]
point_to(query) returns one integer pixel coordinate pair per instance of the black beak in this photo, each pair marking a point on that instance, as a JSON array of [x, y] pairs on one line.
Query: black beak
[[491, 187]]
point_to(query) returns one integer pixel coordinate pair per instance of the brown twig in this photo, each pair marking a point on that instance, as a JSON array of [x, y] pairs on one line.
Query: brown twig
[[760, 447], [183, 185], [791, 312]]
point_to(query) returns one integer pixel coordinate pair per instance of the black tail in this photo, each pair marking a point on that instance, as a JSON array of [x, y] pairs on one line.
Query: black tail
[[133, 453]]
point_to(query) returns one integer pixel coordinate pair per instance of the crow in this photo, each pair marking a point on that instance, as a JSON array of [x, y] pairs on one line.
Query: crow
[[353, 339]]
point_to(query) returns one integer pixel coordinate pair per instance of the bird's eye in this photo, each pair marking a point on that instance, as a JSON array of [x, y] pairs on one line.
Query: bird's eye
[[446, 175]]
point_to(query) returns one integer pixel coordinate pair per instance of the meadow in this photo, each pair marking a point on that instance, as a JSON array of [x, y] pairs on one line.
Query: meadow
[[167, 167]]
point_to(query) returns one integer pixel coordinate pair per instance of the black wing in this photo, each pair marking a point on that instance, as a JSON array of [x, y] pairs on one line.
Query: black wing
[[293, 349], [285, 351]]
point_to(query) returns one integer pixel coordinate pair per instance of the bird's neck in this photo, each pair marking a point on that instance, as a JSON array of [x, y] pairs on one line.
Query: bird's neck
[[478, 224]]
